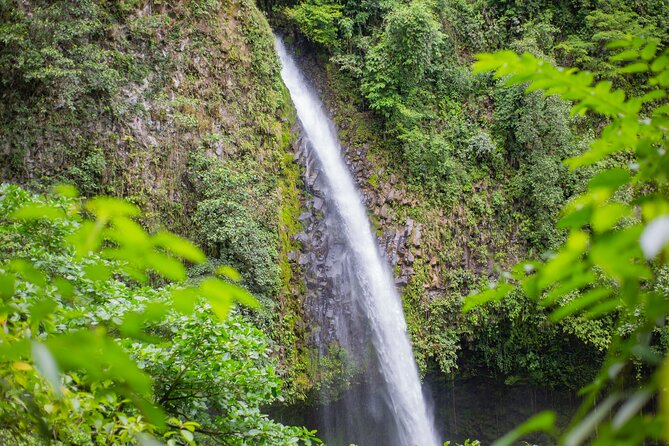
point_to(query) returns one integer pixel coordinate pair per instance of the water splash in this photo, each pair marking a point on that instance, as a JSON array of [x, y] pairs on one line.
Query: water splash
[[396, 390]]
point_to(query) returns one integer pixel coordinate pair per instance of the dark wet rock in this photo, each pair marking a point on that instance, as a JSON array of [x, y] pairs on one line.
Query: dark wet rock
[[416, 236], [302, 237], [397, 240], [311, 179], [408, 227], [298, 153]]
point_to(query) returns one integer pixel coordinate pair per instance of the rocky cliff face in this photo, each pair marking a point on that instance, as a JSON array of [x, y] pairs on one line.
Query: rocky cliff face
[[127, 92], [176, 106]]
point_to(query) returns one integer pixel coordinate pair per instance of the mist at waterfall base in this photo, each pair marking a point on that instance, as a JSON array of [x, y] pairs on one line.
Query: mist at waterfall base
[[356, 305], [478, 408]]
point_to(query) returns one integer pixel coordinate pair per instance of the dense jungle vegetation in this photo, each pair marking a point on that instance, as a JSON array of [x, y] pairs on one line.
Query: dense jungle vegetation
[[484, 160], [118, 330]]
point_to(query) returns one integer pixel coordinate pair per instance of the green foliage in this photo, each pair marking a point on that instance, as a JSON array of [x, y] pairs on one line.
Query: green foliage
[[467, 442], [90, 350], [465, 22], [321, 21], [55, 51], [406, 53], [607, 267], [430, 160], [411, 40], [517, 340], [613, 20], [228, 223]]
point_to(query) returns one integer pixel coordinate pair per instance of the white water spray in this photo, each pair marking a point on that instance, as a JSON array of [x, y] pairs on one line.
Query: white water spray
[[378, 298]]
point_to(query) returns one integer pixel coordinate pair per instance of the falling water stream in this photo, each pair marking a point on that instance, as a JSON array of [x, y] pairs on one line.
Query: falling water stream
[[396, 386]]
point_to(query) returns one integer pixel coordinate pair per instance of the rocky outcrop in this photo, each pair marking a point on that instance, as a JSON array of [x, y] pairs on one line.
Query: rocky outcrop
[[323, 259]]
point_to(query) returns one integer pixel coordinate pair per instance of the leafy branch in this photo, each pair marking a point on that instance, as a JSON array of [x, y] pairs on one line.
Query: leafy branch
[[615, 248]]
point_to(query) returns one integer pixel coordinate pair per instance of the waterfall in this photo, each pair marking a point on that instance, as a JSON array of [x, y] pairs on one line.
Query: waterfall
[[395, 393]]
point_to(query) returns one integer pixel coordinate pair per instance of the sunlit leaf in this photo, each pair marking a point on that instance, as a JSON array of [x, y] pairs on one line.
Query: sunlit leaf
[[19, 350], [134, 322], [166, 266], [220, 306], [87, 238], [661, 63], [153, 413], [179, 246], [28, 271], [184, 299], [602, 309], [639, 67], [97, 272], [41, 309], [648, 51], [221, 295], [565, 262], [625, 55], [64, 287], [581, 302], [576, 219], [100, 357], [107, 207], [607, 216], [621, 43], [229, 272], [579, 280], [610, 179], [66, 191], [22, 366], [7, 284], [129, 232], [542, 422], [490, 295], [38, 212]]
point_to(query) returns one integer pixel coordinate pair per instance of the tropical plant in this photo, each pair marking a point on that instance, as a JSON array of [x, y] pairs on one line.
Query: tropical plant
[[321, 21], [92, 346], [615, 253]]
